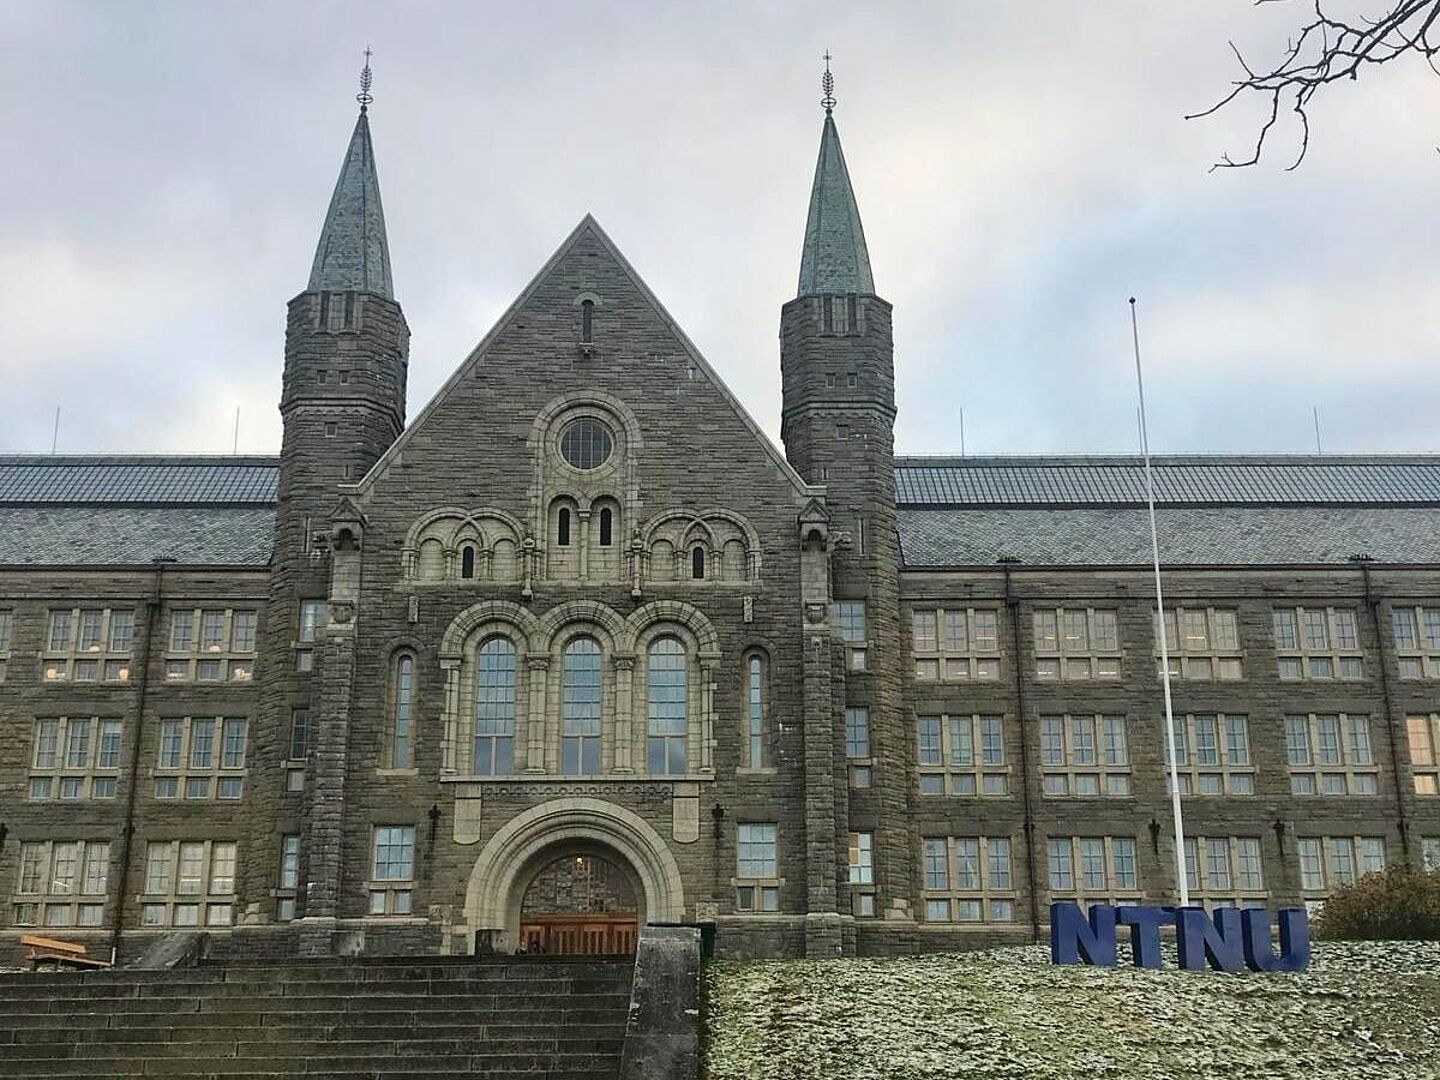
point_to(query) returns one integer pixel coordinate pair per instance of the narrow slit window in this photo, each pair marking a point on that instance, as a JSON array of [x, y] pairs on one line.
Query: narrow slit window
[[587, 321], [467, 562], [562, 532], [697, 563], [400, 731], [607, 525]]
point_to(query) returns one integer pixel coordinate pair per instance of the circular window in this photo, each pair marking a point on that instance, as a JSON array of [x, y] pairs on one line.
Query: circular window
[[586, 444]]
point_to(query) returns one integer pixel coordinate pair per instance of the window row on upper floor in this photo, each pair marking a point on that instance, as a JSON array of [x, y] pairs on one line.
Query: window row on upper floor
[[96, 644], [964, 643]]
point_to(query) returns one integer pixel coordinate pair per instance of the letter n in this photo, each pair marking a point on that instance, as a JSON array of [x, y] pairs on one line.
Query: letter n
[[1074, 939], [1220, 941]]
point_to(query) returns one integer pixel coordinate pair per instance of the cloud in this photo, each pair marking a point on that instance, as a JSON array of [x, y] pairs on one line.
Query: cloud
[[1018, 178]]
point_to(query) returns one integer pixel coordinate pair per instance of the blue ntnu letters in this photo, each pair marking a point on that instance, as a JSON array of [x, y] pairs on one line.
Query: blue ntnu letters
[[1231, 941]]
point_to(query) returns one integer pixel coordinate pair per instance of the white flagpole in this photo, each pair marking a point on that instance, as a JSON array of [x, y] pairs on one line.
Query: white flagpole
[[1164, 644]]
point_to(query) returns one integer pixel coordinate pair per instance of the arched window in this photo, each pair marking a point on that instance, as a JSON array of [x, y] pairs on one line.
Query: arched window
[[587, 321], [402, 696], [666, 699], [697, 562], [755, 712], [580, 708], [562, 530], [494, 753], [467, 561], [607, 527]]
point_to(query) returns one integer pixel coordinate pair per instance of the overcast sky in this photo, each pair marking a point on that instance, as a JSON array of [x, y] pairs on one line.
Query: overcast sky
[[166, 168]]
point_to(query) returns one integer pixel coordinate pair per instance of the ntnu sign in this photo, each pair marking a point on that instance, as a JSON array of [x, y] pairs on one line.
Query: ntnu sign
[[1232, 940]]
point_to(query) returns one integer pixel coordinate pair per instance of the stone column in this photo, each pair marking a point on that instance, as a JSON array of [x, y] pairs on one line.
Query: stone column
[[708, 663], [450, 716], [624, 714], [537, 668], [584, 530]]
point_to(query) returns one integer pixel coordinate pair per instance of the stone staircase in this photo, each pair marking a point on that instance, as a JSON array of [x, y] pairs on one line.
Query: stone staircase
[[500, 1019]]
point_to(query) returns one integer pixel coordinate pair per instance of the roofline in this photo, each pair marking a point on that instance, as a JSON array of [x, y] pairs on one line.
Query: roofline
[[252, 460], [1033, 460]]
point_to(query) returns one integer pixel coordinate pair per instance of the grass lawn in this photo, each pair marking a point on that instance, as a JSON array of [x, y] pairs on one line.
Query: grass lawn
[[1362, 1010]]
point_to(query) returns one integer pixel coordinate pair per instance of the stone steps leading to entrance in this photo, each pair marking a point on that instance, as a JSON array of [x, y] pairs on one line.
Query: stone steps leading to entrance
[[557, 1018]]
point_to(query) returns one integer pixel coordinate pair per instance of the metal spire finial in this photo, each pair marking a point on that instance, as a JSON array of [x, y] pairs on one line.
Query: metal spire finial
[[364, 97], [827, 84]]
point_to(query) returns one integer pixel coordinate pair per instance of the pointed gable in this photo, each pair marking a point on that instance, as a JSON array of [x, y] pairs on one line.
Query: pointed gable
[[834, 258], [534, 357], [353, 253]]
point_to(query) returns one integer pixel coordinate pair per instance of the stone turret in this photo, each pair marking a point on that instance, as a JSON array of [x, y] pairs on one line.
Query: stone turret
[[837, 423]]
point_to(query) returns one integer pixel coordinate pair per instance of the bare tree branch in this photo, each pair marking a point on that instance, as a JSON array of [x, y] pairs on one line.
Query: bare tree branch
[[1327, 50]]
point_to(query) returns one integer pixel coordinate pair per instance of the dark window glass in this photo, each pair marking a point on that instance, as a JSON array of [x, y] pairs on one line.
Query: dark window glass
[[562, 535], [697, 563], [587, 320], [467, 562], [586, 444], [606, 527]]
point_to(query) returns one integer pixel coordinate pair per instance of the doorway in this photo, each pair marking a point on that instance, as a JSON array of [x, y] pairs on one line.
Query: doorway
[[580, 905]]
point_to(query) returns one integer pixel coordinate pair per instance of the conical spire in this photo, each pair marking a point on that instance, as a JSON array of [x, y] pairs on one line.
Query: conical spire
[[834, 259], [353, 253]]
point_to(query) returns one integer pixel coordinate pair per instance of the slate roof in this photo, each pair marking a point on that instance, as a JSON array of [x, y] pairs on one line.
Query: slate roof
[[86, 510], [353, 253], [88, 480], [1210, 480], [63, 510], [834, 258]]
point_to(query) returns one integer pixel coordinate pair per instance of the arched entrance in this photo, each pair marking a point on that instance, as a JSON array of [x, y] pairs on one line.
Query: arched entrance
[[525, 849], [583, 904]]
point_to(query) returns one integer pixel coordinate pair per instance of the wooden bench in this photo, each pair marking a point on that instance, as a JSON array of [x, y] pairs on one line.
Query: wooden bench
[[49, 952]]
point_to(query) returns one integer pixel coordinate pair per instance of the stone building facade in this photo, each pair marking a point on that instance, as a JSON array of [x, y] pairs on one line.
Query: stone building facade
[[363, 695]]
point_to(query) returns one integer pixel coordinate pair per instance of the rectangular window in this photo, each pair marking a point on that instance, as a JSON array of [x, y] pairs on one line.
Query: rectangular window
[[211, 645], [299, 734], [1225, 871], [1203, 644], [392, 870], [757, 882], [1317, 643], [1093, 869], [962, 755], [189, 883], [1076, 644], [967, 879], [311, 614], [1423, 737], [1416, 633], [1327, 862], [289, 880], [74, 757], [61, 883], [857, 746], [1212, 752], [200, 757], [862, 858], [1073, 764], [1330, 754], [6, 620], [849, 619], [83, 645], [956, 644]]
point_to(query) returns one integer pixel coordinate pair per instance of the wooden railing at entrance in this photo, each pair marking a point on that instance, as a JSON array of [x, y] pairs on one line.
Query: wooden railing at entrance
[[578, 935]]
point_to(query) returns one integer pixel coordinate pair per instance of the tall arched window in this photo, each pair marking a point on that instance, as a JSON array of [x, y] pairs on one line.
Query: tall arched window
[[587, 321], [755, 712], [697, 562], [562, 529], [666, 694], [402, 696], [467, 561], [580, 708], [494, 752], [607, 527]]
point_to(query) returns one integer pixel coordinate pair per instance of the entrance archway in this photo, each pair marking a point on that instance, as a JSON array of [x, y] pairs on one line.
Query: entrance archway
[[527, 845], [583, 904]]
